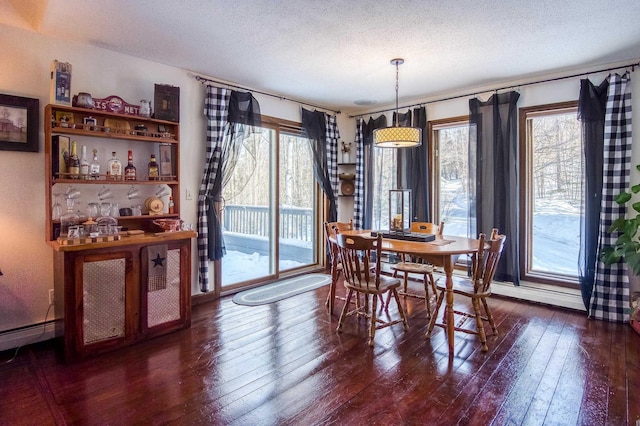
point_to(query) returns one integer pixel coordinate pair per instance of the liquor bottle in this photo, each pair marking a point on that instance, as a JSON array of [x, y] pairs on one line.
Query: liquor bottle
[[172, 206], [114, 167], [84, 163], [130, 170], [153, 168], [94, 167], [74, 162]]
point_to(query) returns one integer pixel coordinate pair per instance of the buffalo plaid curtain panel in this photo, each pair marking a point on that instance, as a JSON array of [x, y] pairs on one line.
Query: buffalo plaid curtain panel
[[216, 110], [610, 298]]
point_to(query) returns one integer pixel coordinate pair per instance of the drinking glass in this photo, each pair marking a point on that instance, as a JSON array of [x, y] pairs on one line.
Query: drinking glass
[[163, 191], [56, 209], [105, 209], [93, 210], [133, 193], [104, 193], [72, 193]]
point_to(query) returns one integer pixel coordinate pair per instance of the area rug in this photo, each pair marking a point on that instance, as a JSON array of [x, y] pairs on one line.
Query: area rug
[[281, 289]]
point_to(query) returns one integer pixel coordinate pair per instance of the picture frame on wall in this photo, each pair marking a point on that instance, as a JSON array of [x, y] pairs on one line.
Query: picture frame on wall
[[167, 102], [166, 166], [19, 123]]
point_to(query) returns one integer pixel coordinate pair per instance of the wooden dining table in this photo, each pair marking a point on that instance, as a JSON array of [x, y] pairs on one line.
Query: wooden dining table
[[444, 252]]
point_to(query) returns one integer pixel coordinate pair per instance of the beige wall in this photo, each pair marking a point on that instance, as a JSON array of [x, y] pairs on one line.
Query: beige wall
[[25, 259]]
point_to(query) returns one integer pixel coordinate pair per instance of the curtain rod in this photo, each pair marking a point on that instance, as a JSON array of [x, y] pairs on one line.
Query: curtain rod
[[637, 64], [282, 98]]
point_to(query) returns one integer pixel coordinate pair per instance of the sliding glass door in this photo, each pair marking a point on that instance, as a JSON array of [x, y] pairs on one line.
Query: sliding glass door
[[270, 209]]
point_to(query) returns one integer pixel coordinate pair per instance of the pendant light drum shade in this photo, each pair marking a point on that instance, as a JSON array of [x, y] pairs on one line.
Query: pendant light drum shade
[[396, 136]]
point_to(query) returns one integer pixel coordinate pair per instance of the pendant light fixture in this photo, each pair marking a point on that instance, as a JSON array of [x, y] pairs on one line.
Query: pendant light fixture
[[396, 136]]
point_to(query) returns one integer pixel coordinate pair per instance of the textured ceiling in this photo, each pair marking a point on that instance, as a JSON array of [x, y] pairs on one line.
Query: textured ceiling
[[333, 53]]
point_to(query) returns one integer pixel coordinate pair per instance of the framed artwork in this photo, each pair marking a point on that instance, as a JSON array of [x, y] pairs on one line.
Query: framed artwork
[[90, 123], [19, 123], [64, 119], [167, 102], [166, 168]]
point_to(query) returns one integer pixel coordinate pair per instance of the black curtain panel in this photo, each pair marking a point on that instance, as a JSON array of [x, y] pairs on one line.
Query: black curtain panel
[[366, 166], [493, 124], [230, 117], [591, 113], [413, 165], [244, 118], [314, 129]]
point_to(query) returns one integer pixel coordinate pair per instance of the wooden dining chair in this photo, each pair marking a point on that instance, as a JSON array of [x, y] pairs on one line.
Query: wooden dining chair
[[412, 265], [360, 257], [477, 288], [330, 229]]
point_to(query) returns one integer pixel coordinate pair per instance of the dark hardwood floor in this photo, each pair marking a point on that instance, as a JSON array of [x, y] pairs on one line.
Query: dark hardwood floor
[[284, 364]]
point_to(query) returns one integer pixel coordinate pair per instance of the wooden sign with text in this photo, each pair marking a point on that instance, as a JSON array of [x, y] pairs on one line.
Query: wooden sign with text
[[116, 104]]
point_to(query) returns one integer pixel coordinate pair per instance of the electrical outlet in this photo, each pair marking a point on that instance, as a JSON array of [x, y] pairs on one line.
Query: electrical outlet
[[188, 194], [52, 297]]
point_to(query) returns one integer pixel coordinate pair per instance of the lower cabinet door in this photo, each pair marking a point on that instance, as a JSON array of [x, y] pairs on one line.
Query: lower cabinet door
[[103, 299], [163, 285], [105, 309]]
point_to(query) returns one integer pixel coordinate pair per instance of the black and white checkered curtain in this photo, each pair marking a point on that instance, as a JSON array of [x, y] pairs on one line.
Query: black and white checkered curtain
[[322, 132], [610, 298], [358, 205], [332, 152], [216, 110]]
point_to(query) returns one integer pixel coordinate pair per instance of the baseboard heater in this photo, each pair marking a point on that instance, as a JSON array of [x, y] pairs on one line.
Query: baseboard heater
[[17, 337]]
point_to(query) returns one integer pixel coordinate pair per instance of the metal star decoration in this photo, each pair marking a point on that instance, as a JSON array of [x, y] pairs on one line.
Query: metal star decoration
[[158, 261]]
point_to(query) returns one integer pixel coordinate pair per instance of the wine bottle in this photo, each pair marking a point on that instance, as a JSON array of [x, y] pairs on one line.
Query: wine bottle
[[153, 168], [84, 163], [94, 167], [74, 162], [130, 170], [114, 167]]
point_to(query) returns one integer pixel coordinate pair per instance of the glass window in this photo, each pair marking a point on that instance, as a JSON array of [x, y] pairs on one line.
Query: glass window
[[552, 196], [384, 179], [271, 191], [450, 165]]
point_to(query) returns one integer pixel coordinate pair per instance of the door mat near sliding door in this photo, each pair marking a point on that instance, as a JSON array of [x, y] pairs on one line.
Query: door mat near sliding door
[[281, 289]]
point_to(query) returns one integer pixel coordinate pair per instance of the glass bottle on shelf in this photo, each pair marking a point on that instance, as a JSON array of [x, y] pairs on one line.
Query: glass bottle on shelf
[[172, 205], [84, 163], [74, 162], [130, 170], [153, 168], [94, 167], [114, 167]]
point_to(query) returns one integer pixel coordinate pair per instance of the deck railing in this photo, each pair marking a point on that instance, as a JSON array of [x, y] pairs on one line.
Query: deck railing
[[295, 223]]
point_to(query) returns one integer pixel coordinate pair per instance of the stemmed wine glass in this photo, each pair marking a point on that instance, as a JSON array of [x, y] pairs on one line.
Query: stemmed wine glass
[[56, 209]]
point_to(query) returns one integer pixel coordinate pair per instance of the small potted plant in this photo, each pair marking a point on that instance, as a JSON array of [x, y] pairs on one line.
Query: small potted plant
[[627, 246]]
